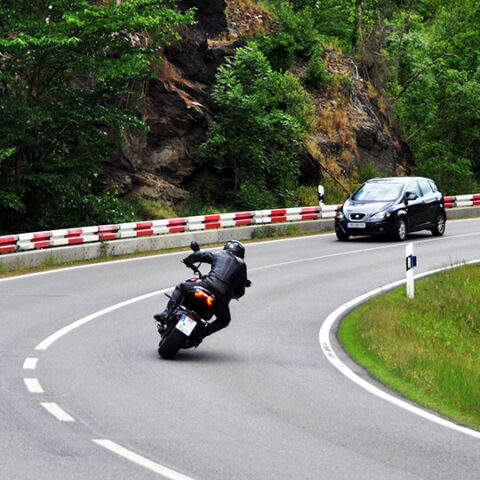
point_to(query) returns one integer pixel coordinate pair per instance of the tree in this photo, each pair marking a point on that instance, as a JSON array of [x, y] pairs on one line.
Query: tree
[[439, 91], [254, 144], [68, 71]]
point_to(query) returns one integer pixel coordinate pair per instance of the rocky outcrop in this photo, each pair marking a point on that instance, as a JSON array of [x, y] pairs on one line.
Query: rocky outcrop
[[354, 126], [177, 107]]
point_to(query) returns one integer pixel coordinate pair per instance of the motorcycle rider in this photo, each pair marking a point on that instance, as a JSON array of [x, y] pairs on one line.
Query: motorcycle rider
[[227, 279]]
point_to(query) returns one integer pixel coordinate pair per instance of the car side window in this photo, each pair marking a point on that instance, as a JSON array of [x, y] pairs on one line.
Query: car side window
[[433, 185], [426, 186], [414, 188]]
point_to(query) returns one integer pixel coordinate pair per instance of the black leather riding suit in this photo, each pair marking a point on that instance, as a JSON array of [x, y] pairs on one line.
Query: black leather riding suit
[[226, 280]]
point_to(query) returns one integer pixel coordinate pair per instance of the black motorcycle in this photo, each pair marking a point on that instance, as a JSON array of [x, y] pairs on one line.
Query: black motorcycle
[[184, 327]]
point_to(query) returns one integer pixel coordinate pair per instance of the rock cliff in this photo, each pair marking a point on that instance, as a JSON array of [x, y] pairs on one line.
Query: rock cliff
[[177, 107]]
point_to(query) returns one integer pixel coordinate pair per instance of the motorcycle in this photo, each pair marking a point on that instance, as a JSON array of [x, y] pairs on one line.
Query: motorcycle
[[184, 327]]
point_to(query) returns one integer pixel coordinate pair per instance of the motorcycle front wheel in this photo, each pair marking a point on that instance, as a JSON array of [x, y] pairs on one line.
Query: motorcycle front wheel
[[171, 343]]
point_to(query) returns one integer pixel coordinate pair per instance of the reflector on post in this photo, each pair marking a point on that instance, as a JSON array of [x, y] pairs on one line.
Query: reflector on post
[[410, 263]]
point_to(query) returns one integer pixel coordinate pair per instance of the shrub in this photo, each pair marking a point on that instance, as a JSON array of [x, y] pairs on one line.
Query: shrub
[[367, 171], [316, 72], [148, 209], [295, 35], [254, 144]]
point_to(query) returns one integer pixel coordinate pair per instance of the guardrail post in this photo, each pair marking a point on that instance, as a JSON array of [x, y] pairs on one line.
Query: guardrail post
[[410, 263]]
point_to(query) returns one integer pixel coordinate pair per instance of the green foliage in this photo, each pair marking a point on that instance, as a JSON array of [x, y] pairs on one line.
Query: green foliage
[[331, 18], [74, 208], [296, 34], [253, 145], [300, 25], [453, 175], [278, 231], [425, 55], [279, 48], [366, 172], [316, 72], [429, 63], [307, 195], [148, 209], [67, 75], [438, 92]]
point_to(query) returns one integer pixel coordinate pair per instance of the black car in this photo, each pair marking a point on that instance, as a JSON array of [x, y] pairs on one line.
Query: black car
[[392, 206]]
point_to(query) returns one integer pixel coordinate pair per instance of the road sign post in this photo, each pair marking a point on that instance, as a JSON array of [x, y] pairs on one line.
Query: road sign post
[[410, 263]]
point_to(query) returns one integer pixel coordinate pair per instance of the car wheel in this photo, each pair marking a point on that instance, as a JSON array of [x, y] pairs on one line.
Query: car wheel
[[439, 228], [400, 229], [342, 236]]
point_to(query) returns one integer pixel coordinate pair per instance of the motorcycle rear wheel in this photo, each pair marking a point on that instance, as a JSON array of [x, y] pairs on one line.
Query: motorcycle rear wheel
[[171, 343]]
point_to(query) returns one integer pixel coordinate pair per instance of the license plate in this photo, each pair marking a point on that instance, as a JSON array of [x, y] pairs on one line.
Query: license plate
[[356, 225], [186, 325]]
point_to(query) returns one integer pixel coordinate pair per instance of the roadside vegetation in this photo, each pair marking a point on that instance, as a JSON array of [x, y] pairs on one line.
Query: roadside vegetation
[[69, 82], [69, 77], [426, 348]]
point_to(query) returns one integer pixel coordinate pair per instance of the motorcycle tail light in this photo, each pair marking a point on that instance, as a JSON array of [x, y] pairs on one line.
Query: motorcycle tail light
[[208, 298]]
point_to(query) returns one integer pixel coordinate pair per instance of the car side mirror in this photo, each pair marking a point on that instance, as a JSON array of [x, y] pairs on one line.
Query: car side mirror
[[410, 196], [194, 246]]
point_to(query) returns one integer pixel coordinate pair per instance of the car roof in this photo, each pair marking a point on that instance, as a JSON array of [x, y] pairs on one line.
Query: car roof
[[403, 180]]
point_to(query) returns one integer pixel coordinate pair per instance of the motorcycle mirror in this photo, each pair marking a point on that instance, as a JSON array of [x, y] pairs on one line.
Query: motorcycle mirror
[[194, 246]]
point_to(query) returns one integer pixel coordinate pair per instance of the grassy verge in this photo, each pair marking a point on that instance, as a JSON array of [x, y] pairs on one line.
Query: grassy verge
[[427, 348]]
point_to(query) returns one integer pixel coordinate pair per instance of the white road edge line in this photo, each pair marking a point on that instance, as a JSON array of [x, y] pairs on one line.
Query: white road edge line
[[33, 385], [142, 461], [57, 412], [340, 313], [44, 344], [30, 363]]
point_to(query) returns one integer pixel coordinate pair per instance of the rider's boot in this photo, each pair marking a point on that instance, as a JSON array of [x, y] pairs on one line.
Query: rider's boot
[[162, 317]]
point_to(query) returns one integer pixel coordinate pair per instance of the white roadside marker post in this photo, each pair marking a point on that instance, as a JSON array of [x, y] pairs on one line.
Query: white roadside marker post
[[321, 199], [410, 263]]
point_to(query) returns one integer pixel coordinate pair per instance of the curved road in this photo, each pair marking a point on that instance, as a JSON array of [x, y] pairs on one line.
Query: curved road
[[256, 401]]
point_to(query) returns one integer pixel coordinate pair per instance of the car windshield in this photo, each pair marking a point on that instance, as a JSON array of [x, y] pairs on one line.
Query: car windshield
[[378, 192]]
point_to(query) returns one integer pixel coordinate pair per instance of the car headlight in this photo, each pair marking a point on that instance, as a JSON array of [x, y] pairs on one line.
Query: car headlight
[[380, 216], [339, 215]]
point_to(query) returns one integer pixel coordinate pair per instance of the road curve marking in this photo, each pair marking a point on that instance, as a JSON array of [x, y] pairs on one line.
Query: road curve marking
[[30, 363], [44, 344], [33, 385], [57, 412], [341, 312], [140, 460], [118, 449]]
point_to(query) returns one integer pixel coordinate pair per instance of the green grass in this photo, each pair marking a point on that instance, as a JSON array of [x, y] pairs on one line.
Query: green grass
[[269, 232], [427, 348], [147, 208]]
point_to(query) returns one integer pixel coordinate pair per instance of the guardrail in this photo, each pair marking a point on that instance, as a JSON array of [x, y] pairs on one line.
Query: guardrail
[[75, 236], [472, 200]]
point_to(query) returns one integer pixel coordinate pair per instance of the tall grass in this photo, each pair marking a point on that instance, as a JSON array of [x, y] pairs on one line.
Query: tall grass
[[427, 348]]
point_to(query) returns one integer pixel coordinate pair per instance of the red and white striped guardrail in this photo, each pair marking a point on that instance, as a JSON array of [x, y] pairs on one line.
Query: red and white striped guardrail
[[74, 236], [8, 243], [458, 201], [220, 220]]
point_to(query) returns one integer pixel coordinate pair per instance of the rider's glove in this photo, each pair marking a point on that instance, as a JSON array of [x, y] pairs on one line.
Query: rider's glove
[[248, 283]]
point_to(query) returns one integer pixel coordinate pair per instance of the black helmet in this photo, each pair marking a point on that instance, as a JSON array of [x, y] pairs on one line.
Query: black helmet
[[236, 248]]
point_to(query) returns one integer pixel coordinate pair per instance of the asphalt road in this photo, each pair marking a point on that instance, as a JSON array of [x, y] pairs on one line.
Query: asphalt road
[[256, 401]]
